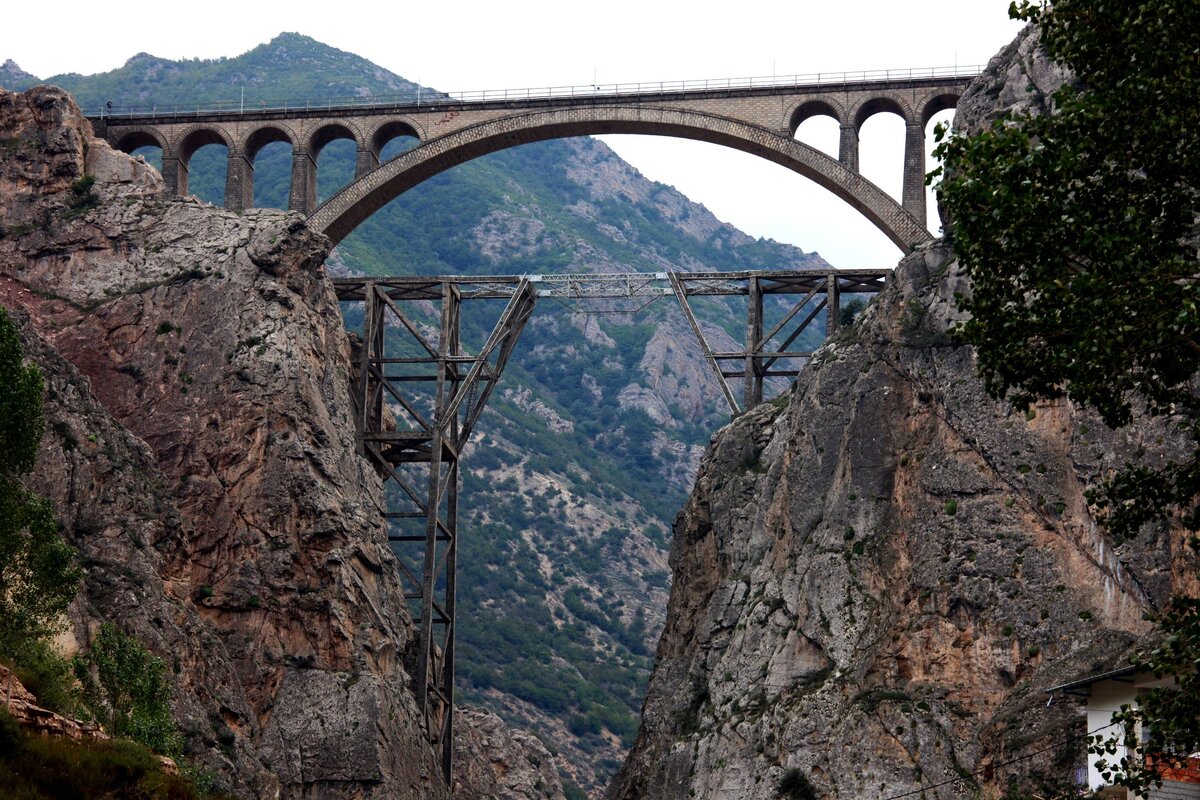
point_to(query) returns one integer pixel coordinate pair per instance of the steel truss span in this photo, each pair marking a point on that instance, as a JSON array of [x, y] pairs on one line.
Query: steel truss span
[[419, 393]]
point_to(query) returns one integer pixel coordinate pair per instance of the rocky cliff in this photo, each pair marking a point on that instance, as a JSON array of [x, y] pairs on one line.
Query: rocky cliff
[[876, 577], [600, 420], [497, 763], [200, 453]]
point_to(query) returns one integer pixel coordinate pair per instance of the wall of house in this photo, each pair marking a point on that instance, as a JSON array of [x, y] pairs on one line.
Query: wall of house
[[1176, 790], [1106, 699]]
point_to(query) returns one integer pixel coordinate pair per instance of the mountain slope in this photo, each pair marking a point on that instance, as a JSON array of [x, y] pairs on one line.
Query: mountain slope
[[590, 445]]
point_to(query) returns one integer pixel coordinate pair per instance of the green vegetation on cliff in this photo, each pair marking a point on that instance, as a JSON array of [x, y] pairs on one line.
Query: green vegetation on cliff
[[1079, 232], [38, 575]]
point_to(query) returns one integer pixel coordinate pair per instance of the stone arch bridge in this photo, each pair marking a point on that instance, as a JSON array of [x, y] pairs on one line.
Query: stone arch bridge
[[758, 117], [414, 437]]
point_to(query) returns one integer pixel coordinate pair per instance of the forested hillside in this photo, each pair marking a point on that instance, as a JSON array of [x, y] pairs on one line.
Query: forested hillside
[[590, 445]]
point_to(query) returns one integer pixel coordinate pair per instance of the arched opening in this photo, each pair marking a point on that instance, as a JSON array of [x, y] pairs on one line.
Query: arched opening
[[269, 152], [333, 149], [143, 144], [566, 485], [204, 165], [939, 110], [392, 139], [881, 132], [817, 125]]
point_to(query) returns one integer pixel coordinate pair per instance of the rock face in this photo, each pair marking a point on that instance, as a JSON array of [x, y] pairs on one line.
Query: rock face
[[23, 707], [876, 579], [496, 763], [1020, 79], [201, 456]]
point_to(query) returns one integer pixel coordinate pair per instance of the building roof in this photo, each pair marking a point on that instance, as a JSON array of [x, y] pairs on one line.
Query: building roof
[[1124, 675]]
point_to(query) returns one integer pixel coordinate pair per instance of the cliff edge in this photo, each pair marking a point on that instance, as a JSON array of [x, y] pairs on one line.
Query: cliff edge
[[200, 453], [878, 575]]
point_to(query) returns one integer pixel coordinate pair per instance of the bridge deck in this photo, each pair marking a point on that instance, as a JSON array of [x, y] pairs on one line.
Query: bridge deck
[[541, 97], [612, 285]]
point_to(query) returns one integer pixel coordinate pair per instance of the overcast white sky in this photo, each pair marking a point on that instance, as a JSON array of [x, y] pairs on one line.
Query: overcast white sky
[[473, 44]]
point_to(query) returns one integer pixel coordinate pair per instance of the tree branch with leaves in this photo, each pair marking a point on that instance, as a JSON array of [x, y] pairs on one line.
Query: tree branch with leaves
[[38, 575], [1078, 230]]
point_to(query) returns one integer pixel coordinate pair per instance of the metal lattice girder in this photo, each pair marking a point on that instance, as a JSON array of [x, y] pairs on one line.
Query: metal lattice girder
[[614, 285], [768, 355], [415, 412], [415, 409]]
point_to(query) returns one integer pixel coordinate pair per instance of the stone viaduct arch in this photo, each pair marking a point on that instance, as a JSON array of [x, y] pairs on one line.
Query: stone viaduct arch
[[351, 206], [757, 119], [247, 150]]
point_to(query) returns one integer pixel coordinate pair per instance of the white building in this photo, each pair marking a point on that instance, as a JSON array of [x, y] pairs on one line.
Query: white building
[[1106, 694]]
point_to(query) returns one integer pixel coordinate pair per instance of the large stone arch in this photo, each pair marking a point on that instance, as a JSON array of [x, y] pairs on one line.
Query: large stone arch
[[343, 212]]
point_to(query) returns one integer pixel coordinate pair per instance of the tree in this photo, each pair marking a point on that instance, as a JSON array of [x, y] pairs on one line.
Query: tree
[[1078, 230], [850, 311], [126, 684], [38, 577]]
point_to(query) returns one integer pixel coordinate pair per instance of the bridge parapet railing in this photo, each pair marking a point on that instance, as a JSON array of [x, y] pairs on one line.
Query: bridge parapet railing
[[420, 97]]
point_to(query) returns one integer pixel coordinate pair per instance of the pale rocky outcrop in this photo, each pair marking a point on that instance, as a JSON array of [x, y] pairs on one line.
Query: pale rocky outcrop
[[679, 380], [523, 398], [1020, 79], [499, 763], [22, 706]]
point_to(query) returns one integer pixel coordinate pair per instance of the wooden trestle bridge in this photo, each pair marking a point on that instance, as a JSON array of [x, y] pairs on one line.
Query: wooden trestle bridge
[[417, 406]]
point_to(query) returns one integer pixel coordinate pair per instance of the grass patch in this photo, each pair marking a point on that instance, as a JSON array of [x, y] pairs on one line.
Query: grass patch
[[44, 768]]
